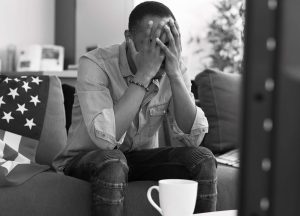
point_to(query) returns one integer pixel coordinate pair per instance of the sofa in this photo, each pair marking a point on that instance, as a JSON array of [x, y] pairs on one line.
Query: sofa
[[50, 193]]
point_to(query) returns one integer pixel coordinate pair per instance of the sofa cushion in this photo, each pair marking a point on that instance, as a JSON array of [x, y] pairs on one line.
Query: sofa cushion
[[219, 97], [228, 181], [32, 127], [49, 193]]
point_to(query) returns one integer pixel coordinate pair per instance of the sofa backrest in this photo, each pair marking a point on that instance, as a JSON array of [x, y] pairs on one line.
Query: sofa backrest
[[219, 96], [54, 136]]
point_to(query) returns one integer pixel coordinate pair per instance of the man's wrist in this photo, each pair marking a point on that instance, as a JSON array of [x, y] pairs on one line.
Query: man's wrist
[[174, 77], [143, 79], [132, 81]]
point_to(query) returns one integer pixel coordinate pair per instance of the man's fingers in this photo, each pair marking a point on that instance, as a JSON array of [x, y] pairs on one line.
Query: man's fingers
[[163, 37], [148, 34], [175, 32], [131, 47], [158, 32], [163, 47], [159, 29], [170, 36], [177, 26], [149, 28]]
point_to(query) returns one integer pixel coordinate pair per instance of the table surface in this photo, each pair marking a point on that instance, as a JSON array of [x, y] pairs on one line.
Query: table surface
[[219, 213]]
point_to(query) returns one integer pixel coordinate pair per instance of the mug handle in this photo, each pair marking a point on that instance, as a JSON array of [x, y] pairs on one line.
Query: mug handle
[[151, 200]]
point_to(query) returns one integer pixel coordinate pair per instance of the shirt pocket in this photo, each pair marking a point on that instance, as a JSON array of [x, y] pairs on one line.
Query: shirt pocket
[[158, 110], [156, 115]]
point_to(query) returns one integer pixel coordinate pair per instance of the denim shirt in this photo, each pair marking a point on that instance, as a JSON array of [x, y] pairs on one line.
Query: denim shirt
[[93, 121]]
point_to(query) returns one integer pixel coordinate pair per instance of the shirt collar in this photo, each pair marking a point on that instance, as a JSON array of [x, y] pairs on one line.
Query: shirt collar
[[124, 66]]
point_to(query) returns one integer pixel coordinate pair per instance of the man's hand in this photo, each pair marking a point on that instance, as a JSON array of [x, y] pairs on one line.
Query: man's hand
[[148, 60], [173, 50]]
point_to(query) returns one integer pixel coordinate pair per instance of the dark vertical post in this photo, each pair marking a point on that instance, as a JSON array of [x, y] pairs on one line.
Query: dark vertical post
[[286, 151], [258, 102], [65, 28], [270, 176]]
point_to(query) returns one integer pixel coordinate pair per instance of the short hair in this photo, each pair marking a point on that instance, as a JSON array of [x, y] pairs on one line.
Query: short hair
[[147, 8]]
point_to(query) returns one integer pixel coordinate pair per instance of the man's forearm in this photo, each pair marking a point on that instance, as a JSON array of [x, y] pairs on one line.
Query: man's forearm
[[127, 108], [184, 106]]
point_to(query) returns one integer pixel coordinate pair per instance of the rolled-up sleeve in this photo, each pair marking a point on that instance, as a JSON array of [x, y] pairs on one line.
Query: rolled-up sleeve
[[197, 133], [200, 125], [96, 104]]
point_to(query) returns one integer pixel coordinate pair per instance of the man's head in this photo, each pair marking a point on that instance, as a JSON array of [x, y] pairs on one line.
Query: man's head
[[148, 8], [140, 17]]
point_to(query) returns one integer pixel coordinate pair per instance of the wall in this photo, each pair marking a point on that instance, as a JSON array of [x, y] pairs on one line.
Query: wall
[[24, 22], [100, 22]]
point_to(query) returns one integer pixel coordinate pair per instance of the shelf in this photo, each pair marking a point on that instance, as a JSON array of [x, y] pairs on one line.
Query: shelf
[[60, 74]]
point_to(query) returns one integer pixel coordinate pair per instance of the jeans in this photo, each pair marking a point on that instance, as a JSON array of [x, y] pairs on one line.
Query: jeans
[[108, 171]]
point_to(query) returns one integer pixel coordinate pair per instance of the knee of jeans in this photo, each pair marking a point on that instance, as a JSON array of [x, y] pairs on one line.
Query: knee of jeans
[[202, 163], [206, 170], [110, 173], [191, 156], [110, 162], [109, 183], [101, 157]]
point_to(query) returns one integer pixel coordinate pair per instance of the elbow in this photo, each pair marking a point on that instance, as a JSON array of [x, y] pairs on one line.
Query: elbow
[[103, 140]]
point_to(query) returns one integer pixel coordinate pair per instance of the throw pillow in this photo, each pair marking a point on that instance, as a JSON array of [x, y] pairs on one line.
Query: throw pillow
[[219, 96], [32, 125]]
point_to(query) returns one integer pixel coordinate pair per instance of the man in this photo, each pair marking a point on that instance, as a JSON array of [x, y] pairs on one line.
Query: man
[[123, 93]]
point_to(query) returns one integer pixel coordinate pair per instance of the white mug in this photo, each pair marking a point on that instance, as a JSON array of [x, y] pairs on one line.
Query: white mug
[[177, 197]]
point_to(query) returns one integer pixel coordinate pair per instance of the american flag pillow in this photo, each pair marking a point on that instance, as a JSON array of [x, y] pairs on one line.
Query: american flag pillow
[[29, 118]]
